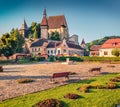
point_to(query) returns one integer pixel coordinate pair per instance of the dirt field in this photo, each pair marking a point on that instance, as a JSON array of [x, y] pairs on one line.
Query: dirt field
[[41, 73]]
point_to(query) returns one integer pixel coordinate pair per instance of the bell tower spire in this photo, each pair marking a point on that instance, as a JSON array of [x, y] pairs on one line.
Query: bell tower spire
[[44, 13], [44, 26], [24, 29]]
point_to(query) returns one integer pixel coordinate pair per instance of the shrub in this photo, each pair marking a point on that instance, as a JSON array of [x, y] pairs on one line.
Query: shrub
[[40, 58], [1, 69], [72, 96], [111, 85], [84, 88], [116, 52], [49, 103], [115, 79], [118, 77], [24, 80], [32, 58], [101, 59], [52, 59], [63, 58]]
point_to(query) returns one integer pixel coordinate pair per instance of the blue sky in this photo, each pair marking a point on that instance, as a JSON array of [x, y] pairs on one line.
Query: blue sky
[[90, 19]]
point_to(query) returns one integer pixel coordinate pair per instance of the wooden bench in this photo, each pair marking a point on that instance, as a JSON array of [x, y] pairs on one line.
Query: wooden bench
[[1, 69], [95, 69], [61, 74]]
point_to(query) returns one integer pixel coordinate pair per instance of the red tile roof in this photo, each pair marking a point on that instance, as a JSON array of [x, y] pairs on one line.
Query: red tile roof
[[56, 21], [44, 22], [112, 43], [95, 48]]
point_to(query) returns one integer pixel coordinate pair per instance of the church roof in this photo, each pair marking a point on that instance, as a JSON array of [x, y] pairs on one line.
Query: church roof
[[56, 21], [53, 44], [71, 45], [44, 19], [38, 43]]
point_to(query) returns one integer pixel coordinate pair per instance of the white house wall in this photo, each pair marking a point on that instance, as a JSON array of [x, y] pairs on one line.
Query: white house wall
[[109, 51]]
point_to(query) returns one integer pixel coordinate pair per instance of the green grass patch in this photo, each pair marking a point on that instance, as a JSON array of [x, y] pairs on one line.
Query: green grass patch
[[95, 97]]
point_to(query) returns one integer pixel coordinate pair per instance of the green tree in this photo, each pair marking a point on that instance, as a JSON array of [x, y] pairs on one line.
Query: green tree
[[11, 43], [34, 31], [8, 45], [116, 52], [19, 39], [55, 36]]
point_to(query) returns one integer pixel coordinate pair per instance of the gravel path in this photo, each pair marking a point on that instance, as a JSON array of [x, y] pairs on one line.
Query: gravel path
[[41, 73]]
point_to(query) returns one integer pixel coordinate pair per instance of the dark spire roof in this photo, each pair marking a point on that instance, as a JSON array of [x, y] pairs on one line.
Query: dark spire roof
[[44, 19], [44, 13], [24, 25], [83, 42]]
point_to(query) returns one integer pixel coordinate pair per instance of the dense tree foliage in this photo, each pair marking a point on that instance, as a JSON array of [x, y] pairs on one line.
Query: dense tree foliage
[[34, 31], [55, 36], [11, 43], [116, 52], [19, 40]]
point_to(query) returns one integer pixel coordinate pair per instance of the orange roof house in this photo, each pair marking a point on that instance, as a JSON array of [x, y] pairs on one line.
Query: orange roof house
[[108, 46], [94, 50], [112, 43]]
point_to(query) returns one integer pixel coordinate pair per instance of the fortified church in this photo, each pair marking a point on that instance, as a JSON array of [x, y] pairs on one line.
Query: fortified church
[[44, 46]]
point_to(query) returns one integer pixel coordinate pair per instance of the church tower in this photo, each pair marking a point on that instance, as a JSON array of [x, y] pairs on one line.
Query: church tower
[[44, 26], [83, 45], [24, 29]]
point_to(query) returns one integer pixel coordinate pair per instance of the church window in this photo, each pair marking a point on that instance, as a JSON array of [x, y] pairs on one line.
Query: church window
[[58, 51]]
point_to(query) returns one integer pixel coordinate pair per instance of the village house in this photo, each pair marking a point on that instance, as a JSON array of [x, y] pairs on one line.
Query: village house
[[44, 47], [64, 48], [94, 50], [107, 47]]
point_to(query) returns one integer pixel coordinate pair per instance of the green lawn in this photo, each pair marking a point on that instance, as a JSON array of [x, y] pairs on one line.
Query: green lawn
[[95, 98]]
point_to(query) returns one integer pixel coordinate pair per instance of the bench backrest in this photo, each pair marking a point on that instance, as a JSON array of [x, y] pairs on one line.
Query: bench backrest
[[96, 68], [62, 74]]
